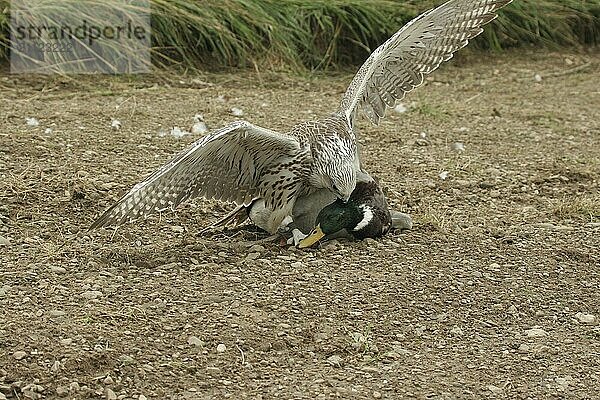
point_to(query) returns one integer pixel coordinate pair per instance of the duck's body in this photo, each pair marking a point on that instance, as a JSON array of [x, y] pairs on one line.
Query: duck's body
[[244, 163]]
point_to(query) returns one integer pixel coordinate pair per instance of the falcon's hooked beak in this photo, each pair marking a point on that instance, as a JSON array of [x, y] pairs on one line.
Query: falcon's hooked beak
[[316, 235], [342, 195]]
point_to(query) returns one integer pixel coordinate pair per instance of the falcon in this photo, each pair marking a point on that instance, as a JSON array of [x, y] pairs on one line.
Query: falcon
[[244, 163]]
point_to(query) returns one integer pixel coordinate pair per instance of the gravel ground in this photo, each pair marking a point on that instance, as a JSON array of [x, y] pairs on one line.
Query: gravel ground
[[493, 294]]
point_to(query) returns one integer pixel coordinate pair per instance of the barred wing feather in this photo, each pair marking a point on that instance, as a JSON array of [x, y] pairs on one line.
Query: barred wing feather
[[230, 164], [400, 64]]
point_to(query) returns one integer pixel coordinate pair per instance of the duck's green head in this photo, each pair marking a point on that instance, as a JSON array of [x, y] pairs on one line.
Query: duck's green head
[[335, 217]]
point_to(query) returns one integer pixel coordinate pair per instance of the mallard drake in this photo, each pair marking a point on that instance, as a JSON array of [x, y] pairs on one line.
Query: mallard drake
[[243, 163], [366, 214]]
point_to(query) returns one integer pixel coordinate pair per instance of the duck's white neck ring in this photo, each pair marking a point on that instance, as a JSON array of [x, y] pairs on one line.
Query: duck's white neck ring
[[367, 217]]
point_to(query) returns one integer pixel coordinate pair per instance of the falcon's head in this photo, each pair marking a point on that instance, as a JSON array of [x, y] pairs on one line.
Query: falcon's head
[[339, 178], [343, 182]]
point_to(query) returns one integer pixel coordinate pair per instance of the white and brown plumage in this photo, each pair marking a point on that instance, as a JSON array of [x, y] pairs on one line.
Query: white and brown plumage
[[243, 162]]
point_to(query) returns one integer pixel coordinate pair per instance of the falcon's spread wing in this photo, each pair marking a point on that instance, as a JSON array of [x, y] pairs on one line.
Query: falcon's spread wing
[[237, 163], [399, 65]]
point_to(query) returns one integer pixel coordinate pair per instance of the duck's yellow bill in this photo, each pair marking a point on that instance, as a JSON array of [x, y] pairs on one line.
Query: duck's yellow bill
[[316, 235]]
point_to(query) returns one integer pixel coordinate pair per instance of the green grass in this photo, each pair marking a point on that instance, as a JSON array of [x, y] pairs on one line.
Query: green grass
[[431, 110], [322, 34]]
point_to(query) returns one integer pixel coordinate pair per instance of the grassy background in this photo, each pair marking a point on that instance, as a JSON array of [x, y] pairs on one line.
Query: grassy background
[[322, 34]]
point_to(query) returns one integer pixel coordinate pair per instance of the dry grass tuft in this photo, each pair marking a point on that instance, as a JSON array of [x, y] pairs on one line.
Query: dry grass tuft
[[585, 207]]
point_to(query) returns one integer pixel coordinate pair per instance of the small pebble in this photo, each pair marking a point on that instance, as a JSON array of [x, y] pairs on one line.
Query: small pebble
[[400, 108], [456, 331], [458, 147], [115, 124], [125, 359], [19, 355], [57, 269], [32, 121], [444, 175], [110, 395], [199, 128], [221, 348], [546, 225], [195, 341], [91, 294], [178, 132], [486, 185], [524, 348], [55, 366], [562, 381], [62, 391], [536, 332], [237, 112], [335, 361], [494, 389], [56, 313], [585, 318], [257, 248]]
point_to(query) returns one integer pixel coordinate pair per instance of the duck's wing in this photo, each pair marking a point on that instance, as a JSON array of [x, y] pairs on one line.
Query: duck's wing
[[237, 163], [399, 65]]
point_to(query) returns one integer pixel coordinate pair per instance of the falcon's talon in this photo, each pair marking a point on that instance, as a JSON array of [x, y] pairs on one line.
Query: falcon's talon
[[297, 236]]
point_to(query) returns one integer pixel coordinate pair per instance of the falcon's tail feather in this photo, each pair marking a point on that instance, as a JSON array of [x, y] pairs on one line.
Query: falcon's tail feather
[[401, 221]]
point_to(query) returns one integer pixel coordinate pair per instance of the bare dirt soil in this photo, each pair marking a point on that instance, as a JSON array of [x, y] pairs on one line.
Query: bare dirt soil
[[495, 293]]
